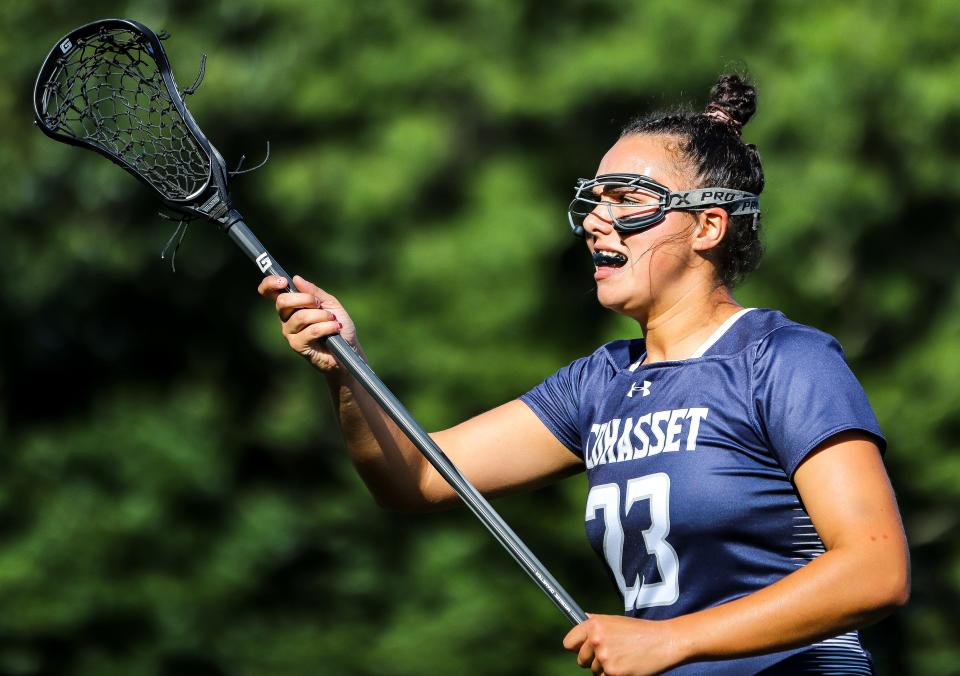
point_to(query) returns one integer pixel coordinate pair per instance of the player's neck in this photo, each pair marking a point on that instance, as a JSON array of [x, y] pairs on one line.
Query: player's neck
[[676, 331]]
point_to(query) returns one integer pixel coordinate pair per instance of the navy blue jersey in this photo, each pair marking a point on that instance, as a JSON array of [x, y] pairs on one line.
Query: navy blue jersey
[[690, 462]]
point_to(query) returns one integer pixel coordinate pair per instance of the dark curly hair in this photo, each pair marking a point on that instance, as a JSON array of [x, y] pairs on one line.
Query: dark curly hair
[[710, 144]]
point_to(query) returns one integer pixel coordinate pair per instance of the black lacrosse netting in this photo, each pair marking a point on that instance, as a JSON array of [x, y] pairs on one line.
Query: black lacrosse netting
[[109, 92], [108, 86]]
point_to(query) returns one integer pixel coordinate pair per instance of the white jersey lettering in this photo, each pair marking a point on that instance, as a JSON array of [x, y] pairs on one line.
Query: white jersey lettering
[[656, 426], [674, 428], [695, 415], [623, 440]]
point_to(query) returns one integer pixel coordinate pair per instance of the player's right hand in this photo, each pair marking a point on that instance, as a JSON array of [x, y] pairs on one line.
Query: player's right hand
[[308, 316]]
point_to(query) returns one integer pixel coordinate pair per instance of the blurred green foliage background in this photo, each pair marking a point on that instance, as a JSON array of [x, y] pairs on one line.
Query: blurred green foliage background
[[174, 498]]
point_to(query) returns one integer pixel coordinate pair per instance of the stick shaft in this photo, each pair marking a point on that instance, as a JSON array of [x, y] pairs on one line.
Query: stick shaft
[[241, 234]]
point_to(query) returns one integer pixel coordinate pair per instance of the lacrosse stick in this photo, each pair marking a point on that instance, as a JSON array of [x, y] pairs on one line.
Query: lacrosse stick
[[107, 86]]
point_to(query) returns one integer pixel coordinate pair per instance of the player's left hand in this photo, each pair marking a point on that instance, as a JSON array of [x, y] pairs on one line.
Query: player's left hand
[[623, 646]]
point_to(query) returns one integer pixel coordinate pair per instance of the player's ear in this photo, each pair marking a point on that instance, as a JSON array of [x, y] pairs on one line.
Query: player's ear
[[713, 224]]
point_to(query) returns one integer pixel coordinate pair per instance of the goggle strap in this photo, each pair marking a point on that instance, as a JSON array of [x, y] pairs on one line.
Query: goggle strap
[[736, 202]]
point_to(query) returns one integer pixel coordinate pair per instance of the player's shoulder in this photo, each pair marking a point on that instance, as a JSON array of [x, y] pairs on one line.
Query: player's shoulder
[[777, 334], [759, 330]]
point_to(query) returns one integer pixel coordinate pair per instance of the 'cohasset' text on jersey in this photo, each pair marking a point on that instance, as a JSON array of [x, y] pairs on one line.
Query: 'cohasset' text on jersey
[[690, 462]]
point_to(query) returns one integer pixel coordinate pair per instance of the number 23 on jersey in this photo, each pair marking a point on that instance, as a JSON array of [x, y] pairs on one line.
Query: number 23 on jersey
[[656, 489]]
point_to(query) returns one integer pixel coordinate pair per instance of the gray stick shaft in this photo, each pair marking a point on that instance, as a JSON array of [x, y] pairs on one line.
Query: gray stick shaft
[[361, 371]]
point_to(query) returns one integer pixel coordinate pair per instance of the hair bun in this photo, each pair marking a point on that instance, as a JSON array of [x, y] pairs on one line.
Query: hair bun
[[733, 100]]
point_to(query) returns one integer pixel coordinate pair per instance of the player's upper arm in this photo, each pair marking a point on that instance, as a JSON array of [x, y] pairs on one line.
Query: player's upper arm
[[846, 491], [505, 450]]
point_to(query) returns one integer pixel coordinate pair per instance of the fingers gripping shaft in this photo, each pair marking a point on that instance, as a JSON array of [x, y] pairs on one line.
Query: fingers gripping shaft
[[240, 233]]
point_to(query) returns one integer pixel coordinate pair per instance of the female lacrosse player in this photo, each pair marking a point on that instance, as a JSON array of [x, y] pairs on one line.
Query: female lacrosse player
[[737, 493]]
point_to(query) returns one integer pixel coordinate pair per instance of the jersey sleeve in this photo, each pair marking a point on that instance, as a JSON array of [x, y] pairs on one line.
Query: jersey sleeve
[[556, 401], [804, 393]]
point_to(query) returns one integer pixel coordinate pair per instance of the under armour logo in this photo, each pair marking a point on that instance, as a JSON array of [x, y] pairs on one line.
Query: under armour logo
[[680, 198], [634, 388]]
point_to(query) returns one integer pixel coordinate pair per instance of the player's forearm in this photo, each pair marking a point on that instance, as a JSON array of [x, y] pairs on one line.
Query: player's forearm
[[389, 464], [841, 590]]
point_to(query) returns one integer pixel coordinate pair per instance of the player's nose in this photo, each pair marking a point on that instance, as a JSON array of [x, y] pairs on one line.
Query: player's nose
[[596, 225]]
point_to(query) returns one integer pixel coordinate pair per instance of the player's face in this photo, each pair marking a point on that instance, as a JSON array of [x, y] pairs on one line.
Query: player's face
[[658, 259]]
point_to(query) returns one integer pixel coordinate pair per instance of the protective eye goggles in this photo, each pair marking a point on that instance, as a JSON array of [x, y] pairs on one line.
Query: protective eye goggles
[[636, 202]]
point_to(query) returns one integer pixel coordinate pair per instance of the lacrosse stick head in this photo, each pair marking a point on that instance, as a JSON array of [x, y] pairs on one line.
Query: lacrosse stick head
[[107, 86]]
